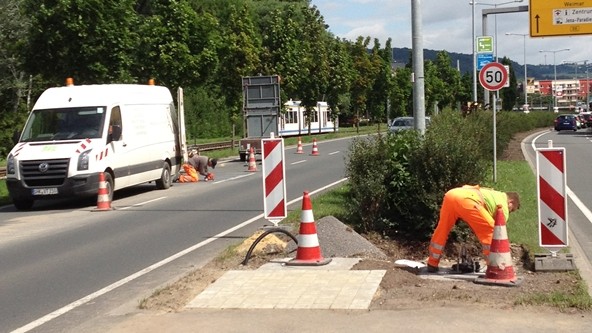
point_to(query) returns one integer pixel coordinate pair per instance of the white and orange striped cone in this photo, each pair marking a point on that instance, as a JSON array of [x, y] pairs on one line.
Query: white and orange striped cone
[[309, 250], [500, 270], [103, 200], [252, 161], [315, 149], [299, 148]]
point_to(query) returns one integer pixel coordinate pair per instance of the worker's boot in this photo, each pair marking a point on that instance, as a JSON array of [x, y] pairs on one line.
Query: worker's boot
[[432, 269]]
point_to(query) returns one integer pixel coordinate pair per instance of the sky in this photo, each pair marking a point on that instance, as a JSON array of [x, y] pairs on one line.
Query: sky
[[447, 25]]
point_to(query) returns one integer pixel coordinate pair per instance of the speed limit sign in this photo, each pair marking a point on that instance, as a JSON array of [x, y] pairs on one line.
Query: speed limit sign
[[493, 76]]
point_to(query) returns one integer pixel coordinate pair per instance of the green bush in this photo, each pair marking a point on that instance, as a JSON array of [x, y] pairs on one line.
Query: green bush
[[397, 181]]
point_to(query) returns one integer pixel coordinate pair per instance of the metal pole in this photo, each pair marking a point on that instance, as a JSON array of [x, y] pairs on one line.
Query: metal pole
[[418, 84], [587, 87], [554, 81], [524, 59], [474, 58], [525, 77], [494, 138]]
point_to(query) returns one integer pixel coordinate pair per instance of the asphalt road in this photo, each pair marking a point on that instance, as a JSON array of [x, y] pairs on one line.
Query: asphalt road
[[62, 262]]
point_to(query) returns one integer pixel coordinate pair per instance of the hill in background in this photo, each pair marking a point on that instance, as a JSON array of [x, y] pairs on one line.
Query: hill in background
[[465, 64]]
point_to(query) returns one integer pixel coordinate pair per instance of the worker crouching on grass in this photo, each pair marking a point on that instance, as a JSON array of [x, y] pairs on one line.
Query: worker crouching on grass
[[477, 207]]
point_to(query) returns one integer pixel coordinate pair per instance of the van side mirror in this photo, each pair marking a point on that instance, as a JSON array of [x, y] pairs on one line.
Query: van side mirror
[[115, 134]]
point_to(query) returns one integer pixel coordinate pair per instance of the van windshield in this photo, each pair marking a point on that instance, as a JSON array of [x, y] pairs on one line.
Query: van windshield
[[64, 124]]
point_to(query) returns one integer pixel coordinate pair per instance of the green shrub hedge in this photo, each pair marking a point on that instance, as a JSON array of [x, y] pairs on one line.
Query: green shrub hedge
[[397, 181]]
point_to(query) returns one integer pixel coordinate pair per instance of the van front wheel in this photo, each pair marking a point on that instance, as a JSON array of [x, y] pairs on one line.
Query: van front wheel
[[165, 177], [109, 184]]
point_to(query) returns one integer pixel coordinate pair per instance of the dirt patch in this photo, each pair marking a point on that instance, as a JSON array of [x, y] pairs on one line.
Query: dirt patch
[[399, 288]]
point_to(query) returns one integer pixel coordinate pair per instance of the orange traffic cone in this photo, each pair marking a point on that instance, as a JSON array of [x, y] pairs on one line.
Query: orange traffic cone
[[103, 200], [315, 149], [299, 148], [500, 270], [309, 251], [252, 162]]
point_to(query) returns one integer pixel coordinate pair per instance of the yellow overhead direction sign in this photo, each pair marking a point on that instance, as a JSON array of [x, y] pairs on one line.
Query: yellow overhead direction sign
[[560, 18]]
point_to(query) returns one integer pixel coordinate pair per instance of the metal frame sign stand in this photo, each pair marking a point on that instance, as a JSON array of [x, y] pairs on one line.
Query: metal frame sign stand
[[274, 175], [552, 210]]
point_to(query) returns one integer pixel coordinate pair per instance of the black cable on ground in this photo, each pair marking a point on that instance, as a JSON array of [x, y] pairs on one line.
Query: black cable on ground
[[267, 232]]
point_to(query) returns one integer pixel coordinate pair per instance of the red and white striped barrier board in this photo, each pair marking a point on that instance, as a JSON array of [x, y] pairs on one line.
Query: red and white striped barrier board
[[274, 175], [552, 198]]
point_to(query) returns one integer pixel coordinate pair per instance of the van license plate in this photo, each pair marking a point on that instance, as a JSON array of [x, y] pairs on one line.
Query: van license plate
[[45, 191]]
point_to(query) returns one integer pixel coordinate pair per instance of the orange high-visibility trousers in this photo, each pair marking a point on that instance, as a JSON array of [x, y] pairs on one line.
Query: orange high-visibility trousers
[[465, 204], [190, 175]]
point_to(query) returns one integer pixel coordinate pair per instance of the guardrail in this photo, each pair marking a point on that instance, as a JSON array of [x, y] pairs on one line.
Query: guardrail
[[214, 145]]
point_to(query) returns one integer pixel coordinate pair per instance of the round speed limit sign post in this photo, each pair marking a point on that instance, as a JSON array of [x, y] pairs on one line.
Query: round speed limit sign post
[[493, 76]]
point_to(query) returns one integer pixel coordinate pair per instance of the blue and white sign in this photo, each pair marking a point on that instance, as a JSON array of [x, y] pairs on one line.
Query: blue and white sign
[[483, 59]]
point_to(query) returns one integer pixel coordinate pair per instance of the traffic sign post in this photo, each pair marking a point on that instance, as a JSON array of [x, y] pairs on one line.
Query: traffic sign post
[[560, 18], [493, 76]]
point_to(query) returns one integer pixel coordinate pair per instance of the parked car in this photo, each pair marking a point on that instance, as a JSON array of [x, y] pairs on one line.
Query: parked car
[[580, 121], [566, 122], [587, 118], [404, 123]]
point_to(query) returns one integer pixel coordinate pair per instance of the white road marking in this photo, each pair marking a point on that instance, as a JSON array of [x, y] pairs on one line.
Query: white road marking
[[232, 178], [141, 203], [298, 162], [34, 324]]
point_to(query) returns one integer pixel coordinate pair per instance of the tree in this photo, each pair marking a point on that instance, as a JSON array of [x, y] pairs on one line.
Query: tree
[[402, 93], [14, 81], [509, 94], [450, 78], [363, 78], [90, 40], [340, 77], [179, 47], [379, 95]]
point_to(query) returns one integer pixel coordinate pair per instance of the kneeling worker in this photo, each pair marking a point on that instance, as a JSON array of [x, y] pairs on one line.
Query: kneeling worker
[[201, 164], [477, 207]]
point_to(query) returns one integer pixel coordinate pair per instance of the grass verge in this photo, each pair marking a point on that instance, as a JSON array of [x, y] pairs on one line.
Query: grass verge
[[522, 226]]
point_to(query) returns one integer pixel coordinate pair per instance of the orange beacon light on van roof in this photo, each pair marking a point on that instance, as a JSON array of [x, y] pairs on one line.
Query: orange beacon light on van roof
[[69, 81]]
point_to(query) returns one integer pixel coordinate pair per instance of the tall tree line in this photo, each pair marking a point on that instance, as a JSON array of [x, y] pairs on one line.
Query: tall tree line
[[204, 46]]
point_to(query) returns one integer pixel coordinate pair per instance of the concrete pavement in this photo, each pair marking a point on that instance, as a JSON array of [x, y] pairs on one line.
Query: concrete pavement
[[331, 298]]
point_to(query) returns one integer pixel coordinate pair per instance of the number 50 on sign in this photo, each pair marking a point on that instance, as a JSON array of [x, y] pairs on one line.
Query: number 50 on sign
[[493, 76]]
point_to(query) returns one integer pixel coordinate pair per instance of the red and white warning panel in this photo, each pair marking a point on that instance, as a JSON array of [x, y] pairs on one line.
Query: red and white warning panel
[[552, 198], [274, 175]]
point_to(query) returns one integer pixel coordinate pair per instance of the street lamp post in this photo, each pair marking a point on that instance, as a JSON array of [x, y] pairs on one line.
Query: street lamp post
[[585, 62], [473, 4], [525, 77], [555, 74]]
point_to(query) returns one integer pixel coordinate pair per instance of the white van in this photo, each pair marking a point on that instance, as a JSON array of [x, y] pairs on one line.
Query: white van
[[128, 132]]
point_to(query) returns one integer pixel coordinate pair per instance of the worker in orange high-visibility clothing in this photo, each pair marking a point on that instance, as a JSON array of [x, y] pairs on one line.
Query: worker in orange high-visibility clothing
[[477, 207]]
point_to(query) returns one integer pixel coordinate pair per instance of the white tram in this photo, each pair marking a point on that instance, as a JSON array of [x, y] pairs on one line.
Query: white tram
[[293, 121]]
